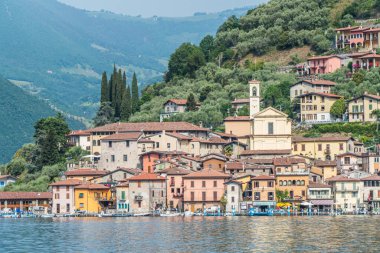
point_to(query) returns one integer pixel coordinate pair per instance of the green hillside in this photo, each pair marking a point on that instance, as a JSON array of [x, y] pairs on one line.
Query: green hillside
[[61, 51], [19, 111]]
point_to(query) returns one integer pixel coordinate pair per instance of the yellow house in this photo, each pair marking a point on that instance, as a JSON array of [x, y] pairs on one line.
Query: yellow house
[[92, 198], [324, 148], [323, 170], [239, 126], [360, 108], [315, 106]]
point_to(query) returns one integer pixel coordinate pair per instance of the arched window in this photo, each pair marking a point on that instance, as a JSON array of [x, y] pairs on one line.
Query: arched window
[[254, 91], [302, 182], [294, 182], [289, 182], [280, 182], [298, 182], [284, 183]]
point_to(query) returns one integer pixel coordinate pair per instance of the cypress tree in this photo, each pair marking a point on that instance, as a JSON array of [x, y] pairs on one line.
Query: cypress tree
[[126, 104], [119, 93], [114, 88], [135, 94], [104, 92], [191, 104], [109, 89]]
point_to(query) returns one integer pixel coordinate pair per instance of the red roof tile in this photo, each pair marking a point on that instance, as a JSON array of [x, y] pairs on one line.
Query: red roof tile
[[176, 171], [86, 172], [370, 178], [320, 139], [266, 152], [177, 101], [67, 182], [92, 186], [207, 173], [320, 163], [146, 177], [288, 161], [79, 133], [322, 57], [122, 137], [318, 185], [234, 166], [25, 195], [348, 28], [237, 118], [320, 82], [263, 177], [241, 101], [342, 178]]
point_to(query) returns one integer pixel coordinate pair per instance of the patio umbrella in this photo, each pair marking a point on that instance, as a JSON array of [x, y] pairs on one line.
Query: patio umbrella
[[306, 204]]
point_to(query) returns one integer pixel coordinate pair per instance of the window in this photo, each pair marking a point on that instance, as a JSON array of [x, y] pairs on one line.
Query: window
[[340, 146], [81, 205], [125, 175], [157, 144], [127, 144], [322, 108], [347, 160], [232, 199], [270, 196], [139, 184], [152, 193], [168, 145], [162, 194], [110, 144], [203, 184], [67, 188], [270, 128], [296, 93], [67, 208], [303, 193], [112, 158], [257, 195], [94, 143], [139, 203], [67, 195], [295, 147], [123, 195], [81, 195], [256, 184], [319, 147], [192, 196], [192, 184], [270, 184], [370, 106], [125, 158], [302, 182], [303, 147], [215, 183], [215, 196], [56, 196], [203, 196], [280, 182], [232, 188]]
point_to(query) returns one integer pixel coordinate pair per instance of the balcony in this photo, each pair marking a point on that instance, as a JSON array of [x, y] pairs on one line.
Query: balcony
[[347, 189], [177, 195], [138, 198], [319, 196], [172, 184]]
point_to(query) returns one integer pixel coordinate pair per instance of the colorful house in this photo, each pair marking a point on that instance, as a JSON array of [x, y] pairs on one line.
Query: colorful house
[[122, 198], [315, 107], [324, 64], [360, 108], [308, 86], [85, 174], [26, 201], [92, 198], [321, 170], [320, 195], [264, 192], [204, 189]]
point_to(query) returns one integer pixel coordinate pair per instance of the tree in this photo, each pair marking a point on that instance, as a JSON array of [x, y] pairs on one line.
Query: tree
[[338, 108], [105, 115], [185, 61], [191, 104], [118, 93], [135, 94], [207, 46], [376, 114], [223, 202], [126, 105], [74, 154], [282, 195], [104, 97]]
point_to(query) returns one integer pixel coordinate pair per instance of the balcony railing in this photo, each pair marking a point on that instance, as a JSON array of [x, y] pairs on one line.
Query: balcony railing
[[319, 196], [138, 198], [348, 189], [177, 195]]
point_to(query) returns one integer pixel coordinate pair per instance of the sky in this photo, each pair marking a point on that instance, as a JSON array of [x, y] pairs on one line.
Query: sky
[[163, 8]]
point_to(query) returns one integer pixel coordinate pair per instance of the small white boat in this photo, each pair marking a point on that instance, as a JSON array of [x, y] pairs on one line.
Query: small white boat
[[169, 214], [141, 214], [48, 215], [188, 214]]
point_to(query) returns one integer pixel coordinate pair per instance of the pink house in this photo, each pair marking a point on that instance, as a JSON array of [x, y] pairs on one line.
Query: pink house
[[324, 64], [203, 189]]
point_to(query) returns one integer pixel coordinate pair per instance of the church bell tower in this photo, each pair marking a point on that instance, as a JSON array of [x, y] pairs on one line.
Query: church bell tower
[[254, 97]]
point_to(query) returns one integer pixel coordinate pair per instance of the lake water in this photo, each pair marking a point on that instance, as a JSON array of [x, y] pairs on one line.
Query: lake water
[[192, 234]]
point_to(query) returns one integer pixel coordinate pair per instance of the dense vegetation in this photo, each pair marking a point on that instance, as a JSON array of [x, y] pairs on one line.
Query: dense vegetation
[[18, 113], [363, 9], [37, 165]]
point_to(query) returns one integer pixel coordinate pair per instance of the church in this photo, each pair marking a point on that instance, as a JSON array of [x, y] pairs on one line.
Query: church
[[267, 132]]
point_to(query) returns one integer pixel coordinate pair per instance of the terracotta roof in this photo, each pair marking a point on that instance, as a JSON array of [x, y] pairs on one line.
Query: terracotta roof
[[79, 133], [145, 141], [124, 184], [370, 56], [318, 82], [342, 178], [241, 101], [263, 177], [320, 94], [226, 135], [67, 182], [237, 118], [376, 97], [322, 57], [212, 140], [164, 152], [179, 136], [175, 171], [25, 195], [349, 154], [149, 127], [360, 29], [288, 161], [193, 158], [86, 172], [91, 186], [318, 185], [266, 152], [372, 30], [122, 137], [207, 173], [258, 161], [320, 163], [373, 177], [348, 28], [146, 177], [177, 101], [234, 166], [319, 139]]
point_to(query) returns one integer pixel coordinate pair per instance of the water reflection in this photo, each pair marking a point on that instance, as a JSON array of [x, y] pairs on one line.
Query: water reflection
[[192, 234]]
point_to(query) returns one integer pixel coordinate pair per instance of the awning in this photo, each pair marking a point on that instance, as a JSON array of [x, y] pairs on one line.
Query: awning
[[323, 202], [264, 203]]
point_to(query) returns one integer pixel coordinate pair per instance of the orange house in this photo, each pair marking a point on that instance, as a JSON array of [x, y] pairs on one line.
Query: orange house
[[148, 160], [324, 64]]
